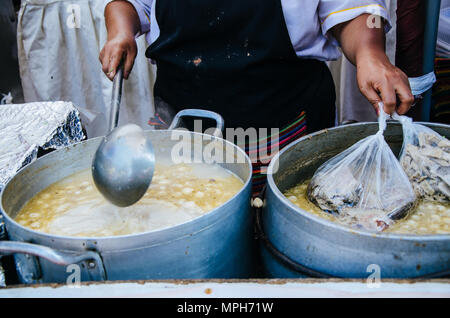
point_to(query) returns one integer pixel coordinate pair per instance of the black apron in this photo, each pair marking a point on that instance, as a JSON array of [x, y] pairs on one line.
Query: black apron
[[235, 57]]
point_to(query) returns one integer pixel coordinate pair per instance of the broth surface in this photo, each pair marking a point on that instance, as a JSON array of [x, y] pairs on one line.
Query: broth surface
[[429, 218], [177, 194]]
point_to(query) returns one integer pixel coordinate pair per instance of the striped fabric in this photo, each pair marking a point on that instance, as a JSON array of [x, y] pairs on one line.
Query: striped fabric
[[441, 91], [288, 134]]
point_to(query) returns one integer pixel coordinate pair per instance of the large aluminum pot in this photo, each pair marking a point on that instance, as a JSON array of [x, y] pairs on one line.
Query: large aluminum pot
[[218, 244], [296, 243]]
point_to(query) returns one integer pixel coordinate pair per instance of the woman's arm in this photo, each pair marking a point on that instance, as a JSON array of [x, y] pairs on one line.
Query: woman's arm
[[378, 79], [122, 24]]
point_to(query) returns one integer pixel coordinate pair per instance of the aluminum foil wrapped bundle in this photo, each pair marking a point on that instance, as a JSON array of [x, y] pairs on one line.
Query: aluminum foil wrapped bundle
[[24, 128]]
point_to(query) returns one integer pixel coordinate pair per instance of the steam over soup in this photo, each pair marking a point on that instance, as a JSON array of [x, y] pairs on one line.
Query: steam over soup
[[177, 194], [429, 217]]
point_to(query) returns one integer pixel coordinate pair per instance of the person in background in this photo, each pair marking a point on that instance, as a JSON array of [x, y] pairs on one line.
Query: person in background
[[10, 86]]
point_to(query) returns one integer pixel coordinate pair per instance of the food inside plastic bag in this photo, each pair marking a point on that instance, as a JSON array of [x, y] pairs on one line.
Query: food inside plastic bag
[[425, 158], [364, 186]]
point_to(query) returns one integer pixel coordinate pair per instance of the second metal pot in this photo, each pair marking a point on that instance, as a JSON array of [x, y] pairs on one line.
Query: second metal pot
[[297, 243]]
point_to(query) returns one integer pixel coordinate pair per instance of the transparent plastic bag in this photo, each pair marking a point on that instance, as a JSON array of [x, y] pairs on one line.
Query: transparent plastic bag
[[364, 186], [425, 157]]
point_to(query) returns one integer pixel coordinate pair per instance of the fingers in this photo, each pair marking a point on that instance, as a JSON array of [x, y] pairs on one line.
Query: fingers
[[109, 63], [392, 89], [389, 98], [372, 96], [104, 59], [116, 51], [391, 92], [114, 64], [129, 62], [405, 96]]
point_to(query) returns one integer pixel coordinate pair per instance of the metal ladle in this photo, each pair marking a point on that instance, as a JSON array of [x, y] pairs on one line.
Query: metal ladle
[[124, 162]]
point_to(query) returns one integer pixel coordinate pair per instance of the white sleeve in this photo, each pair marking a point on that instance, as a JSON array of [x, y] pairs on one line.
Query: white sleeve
[[143, 9], [333, 12]]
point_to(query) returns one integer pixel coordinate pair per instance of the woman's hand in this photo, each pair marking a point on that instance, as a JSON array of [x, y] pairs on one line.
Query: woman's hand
[[379, 80], [120, 47], [122, 24]]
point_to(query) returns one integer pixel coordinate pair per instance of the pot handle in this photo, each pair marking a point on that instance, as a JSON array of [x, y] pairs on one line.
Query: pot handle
[[201, 113], [93, 259]]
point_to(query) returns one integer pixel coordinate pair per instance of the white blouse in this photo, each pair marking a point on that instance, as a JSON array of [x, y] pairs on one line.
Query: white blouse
[[307, 21]]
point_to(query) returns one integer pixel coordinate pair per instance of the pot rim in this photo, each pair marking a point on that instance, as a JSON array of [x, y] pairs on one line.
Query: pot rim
[[212, 213], [334, 225]]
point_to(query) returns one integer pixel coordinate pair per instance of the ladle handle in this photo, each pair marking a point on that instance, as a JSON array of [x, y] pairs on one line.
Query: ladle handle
[[116, 98]]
